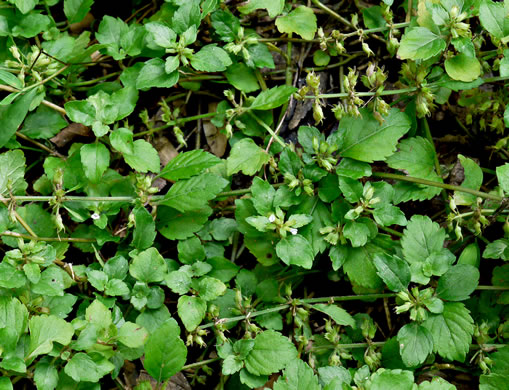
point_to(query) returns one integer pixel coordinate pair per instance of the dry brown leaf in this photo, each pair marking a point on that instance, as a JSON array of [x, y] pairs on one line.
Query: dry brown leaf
[[216, 140], [69, 133]]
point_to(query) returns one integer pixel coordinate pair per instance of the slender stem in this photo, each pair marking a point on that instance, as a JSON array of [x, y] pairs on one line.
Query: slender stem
[[492, 288], [202, 363], [266, 127], [62, 69], [451, 187], [332, 13], [39, 145], [175, 122], [391, 231], [94, 81], [47, 239], [397, 91], [45, 102]]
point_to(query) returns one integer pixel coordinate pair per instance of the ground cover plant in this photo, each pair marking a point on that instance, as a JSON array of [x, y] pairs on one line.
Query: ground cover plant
[[284, 194]]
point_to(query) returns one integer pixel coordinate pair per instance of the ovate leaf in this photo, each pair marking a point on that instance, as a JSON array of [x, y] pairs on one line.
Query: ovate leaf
[[271, 352], [365, 139], [273, 97], [297, 375], [416, 157], [194, 193], [191, 311], [458, 283], [12, 172], [419, 43], [95, 159], [462, 67], [88, 367], [393, 271], [211, 58], [273, 7], [144, 157], [451, 330], [165, 352], [492, 16], [295, 250], [339, 315], [189, 164], [246, 157], [415, 344], [148, 266], [45, 330], [302, 21], [75, 10], [12, 115]]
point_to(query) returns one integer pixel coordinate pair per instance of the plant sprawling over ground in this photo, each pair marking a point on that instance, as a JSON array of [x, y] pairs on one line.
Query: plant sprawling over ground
[[263, 194]]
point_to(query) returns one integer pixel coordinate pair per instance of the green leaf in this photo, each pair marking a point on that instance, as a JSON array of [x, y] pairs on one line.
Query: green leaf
[[88, 367], [273, 97], [458, 283], [393, 271], [422, 245], [191, 311], [463, 67], [357, 233], [295, 250], [302, 21], [148, 266], [246, 157], [359, 266], [122, 140], [419, 43], [242, 77], [178, 281], [388, 214], [132, 335], [45, 375], [80, 111], [339, 315], [416, 157], [145, 228], [5, 384], [153, 74], [75, 10], [11, 80], [210, 288], [452, 331], [384, 379], [187, 15], [43, 123], [44, 331], [12, 173], [415, 344], [12, 115], [211, 58], [473, 180], [436, 384], [262, 196], [161, 34], [175, 225], [188, 164], [13, 322], [503, 176], [273, 7], [366, 140], [30, 25], [11, 277], [144, 158], [492, 16], [225, 25], [160, 364], [194, 193], [25, 6], [297, 375], [271, 352], [95, 159]]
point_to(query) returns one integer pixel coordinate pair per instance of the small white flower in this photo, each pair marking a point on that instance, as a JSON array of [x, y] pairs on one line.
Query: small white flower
[[95, 216], [272, 218], [293, 231]]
